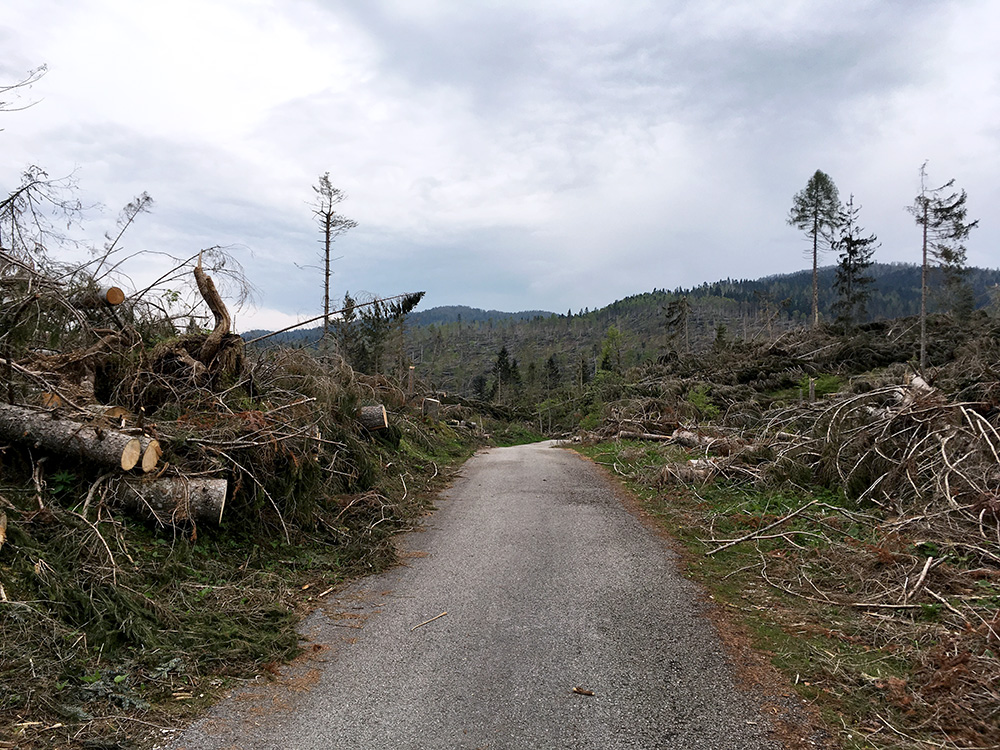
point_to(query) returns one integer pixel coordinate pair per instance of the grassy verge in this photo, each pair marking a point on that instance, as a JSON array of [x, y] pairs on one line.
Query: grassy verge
[[112, 628], [907, 671]]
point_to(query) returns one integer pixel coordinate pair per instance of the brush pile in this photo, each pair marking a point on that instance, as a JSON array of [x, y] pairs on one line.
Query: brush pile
[[875, 506], [163, 494]]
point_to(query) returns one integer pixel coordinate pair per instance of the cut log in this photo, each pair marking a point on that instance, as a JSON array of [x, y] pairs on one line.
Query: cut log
[[374, 417], [102, 297], [70, 438], [688, 439], [151, 452], [131, 454], [173, 500], [431, 407]]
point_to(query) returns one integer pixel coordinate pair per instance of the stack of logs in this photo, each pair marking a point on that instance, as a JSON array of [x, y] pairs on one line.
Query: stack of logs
[[103, 438], [99, 434]]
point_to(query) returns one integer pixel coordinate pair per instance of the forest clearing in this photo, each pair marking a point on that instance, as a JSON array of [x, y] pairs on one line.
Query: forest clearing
[[840, 506], [823, 450]]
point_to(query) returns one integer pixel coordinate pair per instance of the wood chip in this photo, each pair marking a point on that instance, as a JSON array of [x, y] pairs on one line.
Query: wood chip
[[582, 691]]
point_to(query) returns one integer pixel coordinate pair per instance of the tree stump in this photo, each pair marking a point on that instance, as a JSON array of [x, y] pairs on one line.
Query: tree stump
[[374, 417]]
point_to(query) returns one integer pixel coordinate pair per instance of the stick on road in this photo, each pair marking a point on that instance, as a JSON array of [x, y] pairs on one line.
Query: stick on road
[[566, 626]]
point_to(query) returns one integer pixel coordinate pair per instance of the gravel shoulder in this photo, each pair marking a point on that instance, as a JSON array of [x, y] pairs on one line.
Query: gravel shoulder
[[549, 584]]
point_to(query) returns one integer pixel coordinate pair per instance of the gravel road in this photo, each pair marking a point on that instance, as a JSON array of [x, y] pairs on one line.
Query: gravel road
[[549, 585]]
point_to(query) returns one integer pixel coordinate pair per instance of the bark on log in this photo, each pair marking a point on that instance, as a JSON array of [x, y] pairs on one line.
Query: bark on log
[[71, 438], [172, 500], [627, 435], [688, 439], [374, 417]]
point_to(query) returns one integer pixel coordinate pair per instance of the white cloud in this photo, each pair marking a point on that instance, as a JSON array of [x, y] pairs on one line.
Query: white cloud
[[506, 154]]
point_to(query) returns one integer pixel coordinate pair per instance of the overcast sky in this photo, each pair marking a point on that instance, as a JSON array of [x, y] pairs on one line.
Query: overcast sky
[[542, 154]]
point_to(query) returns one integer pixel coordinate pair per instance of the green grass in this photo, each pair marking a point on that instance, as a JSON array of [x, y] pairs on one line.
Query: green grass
[[183, 612], [824, 651], [512, 433], [825, 384]]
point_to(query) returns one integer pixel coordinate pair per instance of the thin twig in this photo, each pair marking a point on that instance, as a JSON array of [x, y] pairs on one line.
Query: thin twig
[[425, 622], [758, 532]]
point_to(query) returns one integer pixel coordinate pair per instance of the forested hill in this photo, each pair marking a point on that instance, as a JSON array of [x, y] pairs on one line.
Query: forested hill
[[457, 355], [895, 292], [434, 316], [454, 347], [461, 313]]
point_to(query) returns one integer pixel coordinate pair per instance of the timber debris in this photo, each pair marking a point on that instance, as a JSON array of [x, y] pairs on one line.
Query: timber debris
[[858, 501], [164, 483]]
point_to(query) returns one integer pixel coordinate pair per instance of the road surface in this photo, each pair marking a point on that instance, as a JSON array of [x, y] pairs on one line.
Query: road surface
[[549, 584]]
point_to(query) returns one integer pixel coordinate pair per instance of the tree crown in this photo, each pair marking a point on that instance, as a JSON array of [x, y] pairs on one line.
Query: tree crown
[[816, 208]]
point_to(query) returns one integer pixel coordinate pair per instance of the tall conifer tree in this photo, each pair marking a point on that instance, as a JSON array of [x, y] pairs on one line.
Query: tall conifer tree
[[816, 211], [853, 280], [940, 212]]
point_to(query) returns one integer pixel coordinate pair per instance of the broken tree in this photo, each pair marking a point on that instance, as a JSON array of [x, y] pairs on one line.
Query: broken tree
[[216, 356]]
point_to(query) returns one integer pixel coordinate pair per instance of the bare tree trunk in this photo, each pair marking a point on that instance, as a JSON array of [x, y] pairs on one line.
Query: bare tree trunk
[[327, 238], [816, 273], [222, 321], [923, 299]]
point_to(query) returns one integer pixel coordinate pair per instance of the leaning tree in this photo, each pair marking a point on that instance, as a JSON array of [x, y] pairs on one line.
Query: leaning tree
[[941, 213], [816, 211]]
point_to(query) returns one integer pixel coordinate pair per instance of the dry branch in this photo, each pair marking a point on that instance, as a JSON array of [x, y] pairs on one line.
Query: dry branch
[[758, 532], [427, 622]]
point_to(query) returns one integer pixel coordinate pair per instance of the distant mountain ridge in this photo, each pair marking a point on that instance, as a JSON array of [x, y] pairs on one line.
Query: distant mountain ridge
[[464, 314], [895, 293], [455, 356], [434, 316]]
